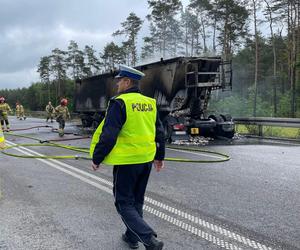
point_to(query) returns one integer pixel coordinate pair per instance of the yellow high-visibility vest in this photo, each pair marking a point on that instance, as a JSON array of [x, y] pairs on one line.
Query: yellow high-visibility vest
[[136, 140], [5, 108], [2, 140]]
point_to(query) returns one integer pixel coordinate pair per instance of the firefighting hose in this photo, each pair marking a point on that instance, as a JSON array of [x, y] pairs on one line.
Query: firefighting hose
[[50, 143]]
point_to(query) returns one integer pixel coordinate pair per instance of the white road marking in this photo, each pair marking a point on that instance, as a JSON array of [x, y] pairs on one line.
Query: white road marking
[[185, 226], [208, 225], [191, 229]]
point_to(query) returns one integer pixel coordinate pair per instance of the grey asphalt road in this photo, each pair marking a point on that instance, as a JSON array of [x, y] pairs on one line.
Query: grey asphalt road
[[249, 202]]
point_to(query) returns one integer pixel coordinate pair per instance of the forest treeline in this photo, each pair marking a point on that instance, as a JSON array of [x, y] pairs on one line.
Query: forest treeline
[[261, 37]]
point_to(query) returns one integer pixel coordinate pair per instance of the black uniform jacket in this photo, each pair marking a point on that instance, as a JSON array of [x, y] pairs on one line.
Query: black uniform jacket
[[114, 121]]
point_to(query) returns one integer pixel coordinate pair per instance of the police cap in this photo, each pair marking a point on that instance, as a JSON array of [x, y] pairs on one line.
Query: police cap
[[126, 71]]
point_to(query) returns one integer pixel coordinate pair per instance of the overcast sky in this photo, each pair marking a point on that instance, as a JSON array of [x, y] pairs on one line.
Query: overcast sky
[[30, 29]]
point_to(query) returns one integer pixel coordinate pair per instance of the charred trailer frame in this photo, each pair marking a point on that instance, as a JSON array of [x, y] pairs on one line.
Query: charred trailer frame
[[182, 87]]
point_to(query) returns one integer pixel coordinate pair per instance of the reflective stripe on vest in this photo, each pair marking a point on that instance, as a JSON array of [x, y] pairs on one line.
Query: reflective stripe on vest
[[2, 140], [136, 141]]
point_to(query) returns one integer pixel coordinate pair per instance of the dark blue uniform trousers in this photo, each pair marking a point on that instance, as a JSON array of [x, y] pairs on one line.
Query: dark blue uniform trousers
[[130, 182]]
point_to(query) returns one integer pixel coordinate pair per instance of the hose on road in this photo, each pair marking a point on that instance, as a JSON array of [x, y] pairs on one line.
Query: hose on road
[[41, 126], [221, 157]]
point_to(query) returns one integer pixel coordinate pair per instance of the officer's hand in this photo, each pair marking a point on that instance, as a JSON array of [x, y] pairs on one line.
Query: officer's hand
[[159, 165], [95, 167]]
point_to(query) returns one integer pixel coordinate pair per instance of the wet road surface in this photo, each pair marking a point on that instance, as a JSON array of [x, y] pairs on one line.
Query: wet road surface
[[249, 202]]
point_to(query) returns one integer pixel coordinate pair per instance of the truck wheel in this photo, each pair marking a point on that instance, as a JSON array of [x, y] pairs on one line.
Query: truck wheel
[[228, 135], [217, 118], [227, 117], [217, 131]]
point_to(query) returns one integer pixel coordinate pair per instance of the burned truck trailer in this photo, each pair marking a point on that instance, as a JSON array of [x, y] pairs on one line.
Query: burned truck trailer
[[182, 87]]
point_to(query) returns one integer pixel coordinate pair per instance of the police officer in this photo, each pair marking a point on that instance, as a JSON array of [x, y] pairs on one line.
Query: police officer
[[62, 113], [50, 111], [4, 108], [131, 138]]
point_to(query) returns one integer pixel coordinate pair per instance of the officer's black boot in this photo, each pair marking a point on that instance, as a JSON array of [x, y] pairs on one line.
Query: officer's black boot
[[154, 244], [132, 245]]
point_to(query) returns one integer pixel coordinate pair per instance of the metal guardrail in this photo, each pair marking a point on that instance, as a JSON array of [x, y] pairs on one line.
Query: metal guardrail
[[259, 121], [268, 121], [263, 121]]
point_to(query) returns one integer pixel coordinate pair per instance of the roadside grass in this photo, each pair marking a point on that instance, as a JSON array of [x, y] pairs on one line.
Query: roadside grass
[[269, 131]]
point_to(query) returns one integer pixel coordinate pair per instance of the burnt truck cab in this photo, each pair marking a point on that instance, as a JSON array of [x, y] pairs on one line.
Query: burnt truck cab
[[182, 87]]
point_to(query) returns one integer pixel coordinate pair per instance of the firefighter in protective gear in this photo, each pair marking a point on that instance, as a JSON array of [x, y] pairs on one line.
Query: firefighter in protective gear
[[4, 109], [2, 140], [17, 110], [62, 114], [50, 112], [131, 137], [22, 112]]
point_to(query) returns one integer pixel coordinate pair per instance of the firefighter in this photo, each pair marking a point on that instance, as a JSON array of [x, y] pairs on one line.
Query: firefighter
[[62, 113], [132, 150], [17, 110], [22, 113], [50, 110], [4, 108], [2, 140]]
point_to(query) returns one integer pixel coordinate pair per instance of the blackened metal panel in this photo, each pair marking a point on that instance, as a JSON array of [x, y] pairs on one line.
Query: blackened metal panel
[[92, 94], [163, 81]]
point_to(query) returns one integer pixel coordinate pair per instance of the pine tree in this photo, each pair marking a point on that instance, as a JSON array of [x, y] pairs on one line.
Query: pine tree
[[231, 18], [150, 44], [163, 12], [272, 19], [112, 55], [201, 10], [254, 5], [44, 71], [130, 29], [176, 38], [75, 60], [289, 11], [93, 64], [59, 70], [190, 26]]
